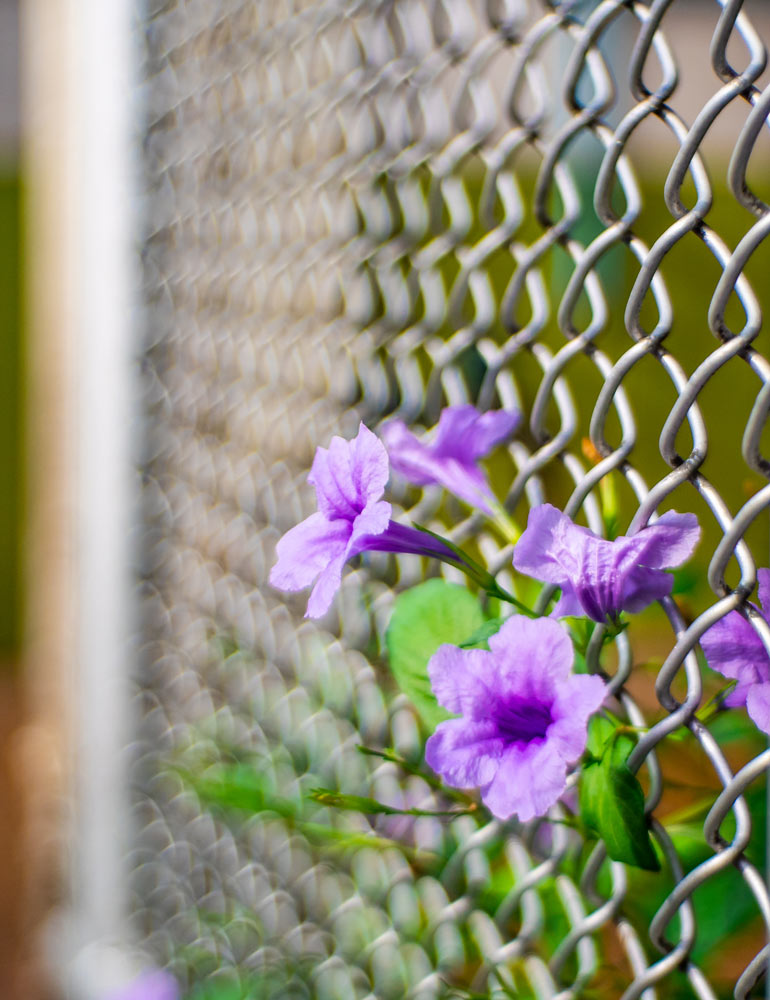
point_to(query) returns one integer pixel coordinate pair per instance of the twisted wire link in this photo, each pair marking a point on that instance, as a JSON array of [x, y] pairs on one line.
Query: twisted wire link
[[360, 208]]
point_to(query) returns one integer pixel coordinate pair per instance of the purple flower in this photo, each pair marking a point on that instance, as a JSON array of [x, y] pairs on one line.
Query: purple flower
[[349, 479], [524, 716], [462, 437], [599, 578], [152, 985], [733, 648]]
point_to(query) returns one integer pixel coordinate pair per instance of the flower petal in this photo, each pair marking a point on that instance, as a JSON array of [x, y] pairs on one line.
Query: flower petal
[[642, 586], [532, 656], [406, 452], [524, 716], [758, 706], [330, 474], [605, 577], [462, 679], [737, 697], [349, 474], [576, 701], [465, 753], [463, 435], [467, 435], [307, 549], [154, 984], [369, 525], [529, 780], [670, 541], [461, 479], [418, 463], [550, 548], [370, 467], [733, 648], [568, 605], [326, 587]]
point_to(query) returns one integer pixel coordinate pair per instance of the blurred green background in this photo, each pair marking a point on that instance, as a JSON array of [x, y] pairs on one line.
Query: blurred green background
[[10, 416]]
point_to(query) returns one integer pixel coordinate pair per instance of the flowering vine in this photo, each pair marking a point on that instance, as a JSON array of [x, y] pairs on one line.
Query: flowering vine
[[523, 716], [508, 715]]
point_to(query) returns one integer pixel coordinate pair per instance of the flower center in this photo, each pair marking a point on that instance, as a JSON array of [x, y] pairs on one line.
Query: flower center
[[522, 719]]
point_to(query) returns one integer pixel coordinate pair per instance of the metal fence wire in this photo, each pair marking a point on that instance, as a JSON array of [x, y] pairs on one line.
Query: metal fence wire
[[361, 207]]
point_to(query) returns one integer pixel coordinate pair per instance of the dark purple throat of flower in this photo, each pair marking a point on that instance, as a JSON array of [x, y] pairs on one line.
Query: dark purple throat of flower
[[521, 716], [520, 719]]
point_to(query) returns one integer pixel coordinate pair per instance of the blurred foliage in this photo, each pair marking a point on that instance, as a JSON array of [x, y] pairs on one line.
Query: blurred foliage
[[249, 788], [10, 416], [282, 979], [239, 791]]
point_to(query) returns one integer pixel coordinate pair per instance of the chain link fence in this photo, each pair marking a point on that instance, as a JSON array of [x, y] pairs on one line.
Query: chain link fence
[[360, 207]]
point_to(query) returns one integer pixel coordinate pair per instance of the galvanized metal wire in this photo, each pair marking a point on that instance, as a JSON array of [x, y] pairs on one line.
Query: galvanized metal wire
[[361, 207]]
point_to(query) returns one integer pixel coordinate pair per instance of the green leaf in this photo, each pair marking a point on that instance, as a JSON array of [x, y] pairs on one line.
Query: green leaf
[[426, 616], [371, 807], [479, 639], [612, 801], [713, 705], [600, 733], [238, 786]]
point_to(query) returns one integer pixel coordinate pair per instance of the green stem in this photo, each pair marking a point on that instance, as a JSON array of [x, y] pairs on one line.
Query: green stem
[[713, 705], [429, 779], [614, 630], [495, 590], [509, 529], [477, 573], [626, 730]]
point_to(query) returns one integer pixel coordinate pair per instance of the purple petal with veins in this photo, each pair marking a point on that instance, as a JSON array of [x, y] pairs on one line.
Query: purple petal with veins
[[600, 578], [523, 716]]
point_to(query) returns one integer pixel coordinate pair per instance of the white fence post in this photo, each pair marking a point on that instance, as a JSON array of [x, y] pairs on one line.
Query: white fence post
[[80, 87]]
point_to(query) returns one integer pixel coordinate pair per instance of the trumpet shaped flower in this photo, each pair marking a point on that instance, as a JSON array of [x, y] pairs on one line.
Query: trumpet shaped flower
[[601, 578], [733, 648], [449, 454], [349, 479], [523, 716]]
